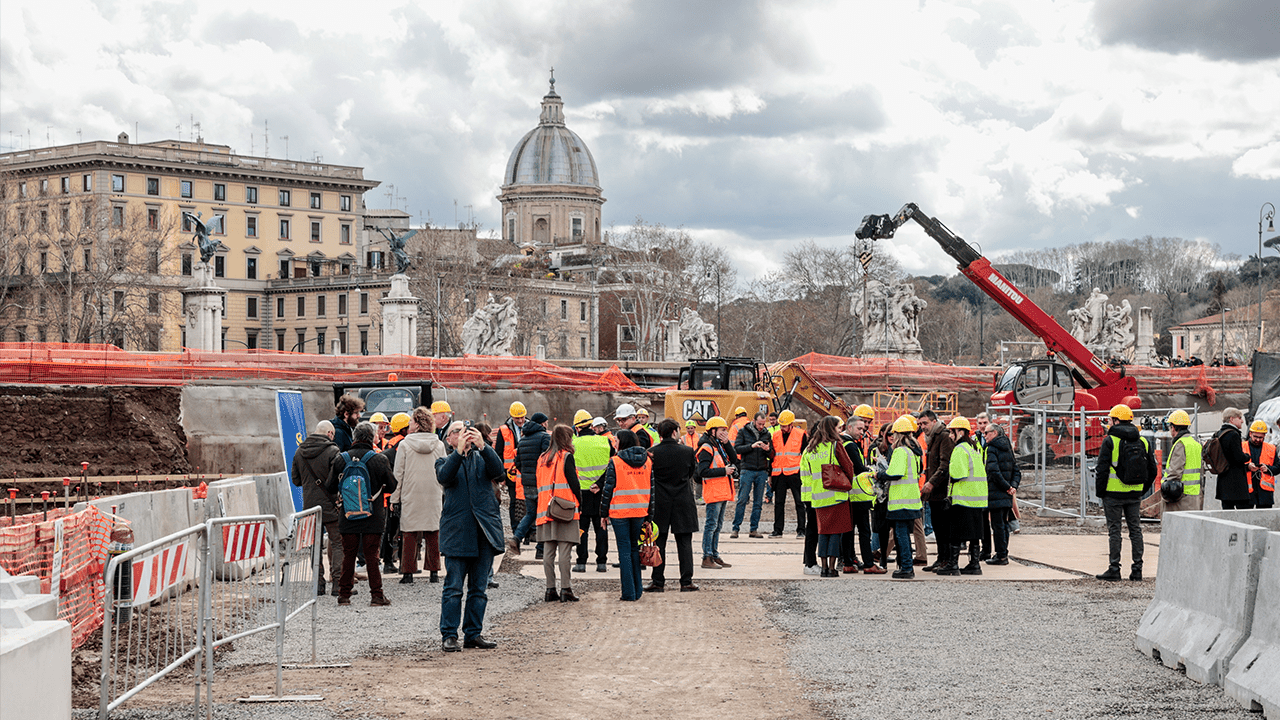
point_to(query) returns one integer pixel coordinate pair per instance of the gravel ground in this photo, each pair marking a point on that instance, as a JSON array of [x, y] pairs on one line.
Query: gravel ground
[[409, 625], [934, 649]]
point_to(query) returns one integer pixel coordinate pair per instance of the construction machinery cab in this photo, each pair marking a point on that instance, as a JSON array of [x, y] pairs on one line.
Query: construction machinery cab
[[1036, 382], [387, 397], [733, 374]]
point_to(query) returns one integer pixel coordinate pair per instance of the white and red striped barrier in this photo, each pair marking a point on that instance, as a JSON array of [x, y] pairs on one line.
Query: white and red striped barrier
[[155, 574], [244, 541]]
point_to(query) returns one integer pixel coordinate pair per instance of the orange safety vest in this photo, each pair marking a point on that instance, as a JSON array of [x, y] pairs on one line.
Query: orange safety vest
[[551, 481], [690, 439], [737, 426], [631, 489], [716, 489], [786, 457], [924, 453], [612, 440], [509, 458], [1267, 457]]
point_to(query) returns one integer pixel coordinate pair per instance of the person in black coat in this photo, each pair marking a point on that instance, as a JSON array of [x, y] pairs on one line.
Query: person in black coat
[[347, 416], [1121, 498], [310, 471], [534, 441], [674, 510], [364, 532], [1233, 485], [1003, 477]]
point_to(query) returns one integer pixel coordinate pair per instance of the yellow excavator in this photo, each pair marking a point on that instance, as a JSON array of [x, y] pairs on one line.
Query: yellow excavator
[[716, 386]]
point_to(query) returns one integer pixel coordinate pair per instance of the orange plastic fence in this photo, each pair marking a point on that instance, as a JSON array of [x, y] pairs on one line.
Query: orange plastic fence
[[873, 375], [108, 365], [27, 548]]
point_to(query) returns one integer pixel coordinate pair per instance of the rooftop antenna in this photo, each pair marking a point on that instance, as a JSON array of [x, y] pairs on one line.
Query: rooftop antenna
[[391, 195], [48, 135], [136, 137], [199, 133], [179, 128], [251, 142], [470, 215], [455, 211], [266, 139], [79, 136], [285, 138]]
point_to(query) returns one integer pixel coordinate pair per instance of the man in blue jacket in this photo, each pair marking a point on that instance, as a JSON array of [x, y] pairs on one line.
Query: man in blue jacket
[[470, 533]]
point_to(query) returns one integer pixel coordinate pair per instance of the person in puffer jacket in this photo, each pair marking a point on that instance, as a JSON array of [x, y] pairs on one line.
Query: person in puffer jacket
[[309, 471], [630, 512], [534, 441]]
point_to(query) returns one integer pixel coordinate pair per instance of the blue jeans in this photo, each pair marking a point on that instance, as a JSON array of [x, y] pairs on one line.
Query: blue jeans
[[711, 532], [902, 533], [752, 483], [476, 572], [829, 545], [928, 518], [526, 523], [626, 533]]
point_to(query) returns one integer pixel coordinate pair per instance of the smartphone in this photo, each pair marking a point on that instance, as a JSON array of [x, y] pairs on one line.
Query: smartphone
[[467, 425]]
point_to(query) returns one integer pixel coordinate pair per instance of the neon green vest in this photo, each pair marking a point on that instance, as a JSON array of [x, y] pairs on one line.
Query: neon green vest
[[591, 457], [1194, 468], [811, 477], [653, 436], [968, 477], [904, 493], [1114, 484], [864, 482]]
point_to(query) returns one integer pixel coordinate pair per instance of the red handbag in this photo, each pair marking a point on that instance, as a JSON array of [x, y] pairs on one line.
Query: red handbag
[[833, 477], [649, 556]]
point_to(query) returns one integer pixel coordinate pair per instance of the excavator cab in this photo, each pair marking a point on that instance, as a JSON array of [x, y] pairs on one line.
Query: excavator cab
[[734, 374], [1036, 383], [716, 387]]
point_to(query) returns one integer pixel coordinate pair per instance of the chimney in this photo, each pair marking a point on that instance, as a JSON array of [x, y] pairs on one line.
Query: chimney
[[123, 138]]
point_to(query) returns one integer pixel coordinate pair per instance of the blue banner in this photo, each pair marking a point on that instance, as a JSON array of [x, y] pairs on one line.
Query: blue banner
[[293, 430]]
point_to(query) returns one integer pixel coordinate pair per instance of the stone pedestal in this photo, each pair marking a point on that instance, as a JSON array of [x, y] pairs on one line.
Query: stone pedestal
[[399, 319], [1144, 352], [203, 303], [672, 352]]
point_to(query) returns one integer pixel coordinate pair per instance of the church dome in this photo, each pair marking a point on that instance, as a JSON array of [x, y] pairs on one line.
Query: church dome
[[551, 154]]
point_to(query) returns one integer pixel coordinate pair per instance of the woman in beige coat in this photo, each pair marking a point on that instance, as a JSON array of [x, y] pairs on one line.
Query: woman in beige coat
[[419, 494]]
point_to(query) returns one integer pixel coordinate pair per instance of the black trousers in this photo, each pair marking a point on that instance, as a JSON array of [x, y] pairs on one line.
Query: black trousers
[[515, 506], [585, 524], [781, 484], [684, 550], [391, 538], [1238, 504], [860, 513], [986, 534], [810, 535], [1000, 518], [941, 515]]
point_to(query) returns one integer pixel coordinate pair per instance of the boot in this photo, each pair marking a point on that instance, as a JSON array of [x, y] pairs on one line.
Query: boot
[[975, 564], [552, 595], [567, 595], [1112, 573], [406, 579], [1135, 574], [435, 577], [949, 564]]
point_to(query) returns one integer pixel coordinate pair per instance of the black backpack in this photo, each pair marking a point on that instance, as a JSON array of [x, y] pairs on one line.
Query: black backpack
[[1131, 465], [1215, 458]]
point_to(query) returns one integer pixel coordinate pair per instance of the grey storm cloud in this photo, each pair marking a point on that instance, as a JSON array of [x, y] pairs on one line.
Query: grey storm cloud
[[1218, 29]]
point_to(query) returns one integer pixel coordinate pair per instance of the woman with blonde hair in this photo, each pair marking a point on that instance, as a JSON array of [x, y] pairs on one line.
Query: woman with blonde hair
[[419, 494], [558, 482]]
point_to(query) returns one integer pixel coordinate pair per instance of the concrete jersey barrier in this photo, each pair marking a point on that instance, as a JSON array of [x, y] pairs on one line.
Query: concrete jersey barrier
[[1203, 606], [1254, 678]]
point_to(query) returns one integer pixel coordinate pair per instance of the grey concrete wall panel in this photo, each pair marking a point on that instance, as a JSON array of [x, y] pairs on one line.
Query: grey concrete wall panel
[[274, 497], [137, 509], [1254, 679], [232, 428], [1203, 605]]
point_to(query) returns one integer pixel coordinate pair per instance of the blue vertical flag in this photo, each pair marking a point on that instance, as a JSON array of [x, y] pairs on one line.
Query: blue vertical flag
[[293, 430]]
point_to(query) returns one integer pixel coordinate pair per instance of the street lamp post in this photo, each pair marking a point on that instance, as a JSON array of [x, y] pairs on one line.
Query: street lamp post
[[1269, 216]]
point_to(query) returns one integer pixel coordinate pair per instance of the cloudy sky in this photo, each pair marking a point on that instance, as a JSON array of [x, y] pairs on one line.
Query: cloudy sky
[[1018, 123]]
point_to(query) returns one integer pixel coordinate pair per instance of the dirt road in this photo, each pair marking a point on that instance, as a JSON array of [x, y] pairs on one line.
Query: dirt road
[[710, 654]]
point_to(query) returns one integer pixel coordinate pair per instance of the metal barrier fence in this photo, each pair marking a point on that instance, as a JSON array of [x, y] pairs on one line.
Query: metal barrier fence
[[1073, 437], [176, 600]]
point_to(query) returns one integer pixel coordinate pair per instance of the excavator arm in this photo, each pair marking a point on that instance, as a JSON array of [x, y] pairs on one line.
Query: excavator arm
[[1111, 386], [789, 381]]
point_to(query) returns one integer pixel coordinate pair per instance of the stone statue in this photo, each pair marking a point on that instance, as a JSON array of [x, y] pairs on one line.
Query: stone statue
[[697, 337], [207, 247], [397, 243], [1096, 306], [1079, 323], [1105, 329], [890, 319], [491, 329]]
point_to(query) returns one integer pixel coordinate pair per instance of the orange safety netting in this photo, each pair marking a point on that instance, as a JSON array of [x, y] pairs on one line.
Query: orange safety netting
[[44, 363], [27, 547], [867, 375]]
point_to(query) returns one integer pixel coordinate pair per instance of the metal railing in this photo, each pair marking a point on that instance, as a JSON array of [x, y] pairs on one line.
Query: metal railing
[[176, 600]]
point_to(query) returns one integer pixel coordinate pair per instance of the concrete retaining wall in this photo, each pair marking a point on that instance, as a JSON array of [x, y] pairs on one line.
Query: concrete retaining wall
[[1254, 678], [35, 654]]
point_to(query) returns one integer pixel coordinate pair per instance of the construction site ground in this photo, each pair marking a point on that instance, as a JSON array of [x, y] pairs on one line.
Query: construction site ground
[[759, 640]]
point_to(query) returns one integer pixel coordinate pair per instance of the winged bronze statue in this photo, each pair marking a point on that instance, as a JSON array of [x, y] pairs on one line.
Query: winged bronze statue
[[207, 247], [397, 243]]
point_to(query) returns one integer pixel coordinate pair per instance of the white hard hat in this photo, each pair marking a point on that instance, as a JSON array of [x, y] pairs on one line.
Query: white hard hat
[[600, 422], [624, 410]]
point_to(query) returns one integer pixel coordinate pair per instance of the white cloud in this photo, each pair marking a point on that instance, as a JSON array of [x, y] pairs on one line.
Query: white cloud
[[1262, 163]]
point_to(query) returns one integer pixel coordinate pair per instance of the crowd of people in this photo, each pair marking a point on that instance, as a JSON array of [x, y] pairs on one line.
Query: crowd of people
[[430, 486]]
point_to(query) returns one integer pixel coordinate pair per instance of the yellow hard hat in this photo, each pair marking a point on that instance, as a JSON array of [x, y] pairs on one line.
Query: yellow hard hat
[[1121, 412], [377, 418], [441, 406], [691, 423], [517, 410], [786, 417], [642, 411], [580, 418], [399, 421], [739, 411], [959, 422], [904, 424], [716, 422], [1258, 426], [865, 411], [1180, 417]]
